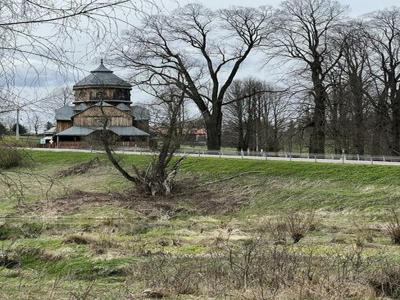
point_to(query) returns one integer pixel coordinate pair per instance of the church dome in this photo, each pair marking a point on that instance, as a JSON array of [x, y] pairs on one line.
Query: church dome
[[102, 77]]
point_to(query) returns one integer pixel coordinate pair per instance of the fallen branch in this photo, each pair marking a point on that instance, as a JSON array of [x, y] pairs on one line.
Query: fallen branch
[[80, 168]]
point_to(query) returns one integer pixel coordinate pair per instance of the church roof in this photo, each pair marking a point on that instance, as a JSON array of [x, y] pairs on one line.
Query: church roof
[[123, 107], [76, 131], [128, 131], [120, 131], [101, 76], [66, 113]]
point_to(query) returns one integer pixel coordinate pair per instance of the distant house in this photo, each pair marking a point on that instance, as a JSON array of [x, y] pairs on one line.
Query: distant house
[[199, 134], [99, 95]]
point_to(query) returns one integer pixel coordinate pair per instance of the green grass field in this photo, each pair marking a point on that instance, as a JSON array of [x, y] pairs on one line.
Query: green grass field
[[89, 236]]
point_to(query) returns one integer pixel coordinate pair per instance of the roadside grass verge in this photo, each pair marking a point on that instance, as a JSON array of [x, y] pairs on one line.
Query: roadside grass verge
[[355, 174]]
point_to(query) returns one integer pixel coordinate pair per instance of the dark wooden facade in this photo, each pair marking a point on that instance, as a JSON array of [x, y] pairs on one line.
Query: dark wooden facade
[[96, 97], [93, 116]]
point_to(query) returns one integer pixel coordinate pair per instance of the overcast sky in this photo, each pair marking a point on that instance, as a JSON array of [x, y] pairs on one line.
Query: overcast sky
[[254, 65], [357, 7]]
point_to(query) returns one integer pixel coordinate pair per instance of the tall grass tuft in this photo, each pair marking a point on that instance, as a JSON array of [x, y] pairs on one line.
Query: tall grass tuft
[[393, 227], [10, 157]]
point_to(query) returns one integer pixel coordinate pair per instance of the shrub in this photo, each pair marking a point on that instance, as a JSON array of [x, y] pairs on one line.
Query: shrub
[[298, 225], [10, 157], [276, 230], [255, 269], [292, 225], [386, 281], [393, 227]]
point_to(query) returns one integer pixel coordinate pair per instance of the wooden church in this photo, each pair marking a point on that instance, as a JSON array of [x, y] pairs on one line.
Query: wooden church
[[102, 95]]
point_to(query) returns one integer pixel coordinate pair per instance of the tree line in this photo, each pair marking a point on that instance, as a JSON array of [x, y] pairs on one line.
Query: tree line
[[340, 92]]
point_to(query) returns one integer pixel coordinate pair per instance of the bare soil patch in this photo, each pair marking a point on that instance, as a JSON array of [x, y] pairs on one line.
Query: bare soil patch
[[188, 198]]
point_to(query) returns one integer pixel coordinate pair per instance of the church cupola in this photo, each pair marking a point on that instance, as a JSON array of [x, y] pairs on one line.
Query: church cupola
[[102, 85]]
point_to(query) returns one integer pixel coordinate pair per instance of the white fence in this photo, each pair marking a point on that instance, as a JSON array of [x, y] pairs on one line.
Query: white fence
[[303, 157], [332, 158]]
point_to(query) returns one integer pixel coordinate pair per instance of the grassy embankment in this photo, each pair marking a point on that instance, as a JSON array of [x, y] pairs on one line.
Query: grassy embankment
[[87, 233]]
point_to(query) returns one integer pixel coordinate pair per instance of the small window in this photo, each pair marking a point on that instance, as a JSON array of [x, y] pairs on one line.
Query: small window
[[99, 95]]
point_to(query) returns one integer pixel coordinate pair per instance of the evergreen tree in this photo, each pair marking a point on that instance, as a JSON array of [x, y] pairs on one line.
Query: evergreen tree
[[49, 125], [22, 129], [3, 129]]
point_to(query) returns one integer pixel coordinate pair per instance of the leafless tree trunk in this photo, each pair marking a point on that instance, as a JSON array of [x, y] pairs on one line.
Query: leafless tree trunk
[[355, 66], [257, 113], [383, 33], [200, 45], [306, 31], [157, 179]]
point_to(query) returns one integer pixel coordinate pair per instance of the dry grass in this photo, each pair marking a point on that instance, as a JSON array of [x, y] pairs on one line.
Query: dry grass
[[79, 169], [10, 157], [95, 238], [298, 225], [393, 227], [255, 270], [220, 200]]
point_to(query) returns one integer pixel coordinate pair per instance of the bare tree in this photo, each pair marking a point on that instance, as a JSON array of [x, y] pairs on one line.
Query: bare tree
[[60, 97], [257, 114], [36, 122], [206, 47], [157, 179], [383, 33], [306, 33], [35, 34], [348, 90], [356, 57]]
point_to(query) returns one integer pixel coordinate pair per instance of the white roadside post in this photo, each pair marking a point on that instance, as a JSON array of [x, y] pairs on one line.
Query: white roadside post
[[17, 125], [343, 156]]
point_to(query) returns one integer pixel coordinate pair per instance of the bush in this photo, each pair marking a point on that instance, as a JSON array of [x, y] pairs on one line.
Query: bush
[[393, 227], [10, 157], [255, 269], [298, 225], [386, 281]]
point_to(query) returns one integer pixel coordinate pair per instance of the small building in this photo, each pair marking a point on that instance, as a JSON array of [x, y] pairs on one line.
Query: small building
[[102, 95]]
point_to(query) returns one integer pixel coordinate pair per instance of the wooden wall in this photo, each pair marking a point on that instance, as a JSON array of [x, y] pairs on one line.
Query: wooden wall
[[88, 94], [93, 117], [63, 125]]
